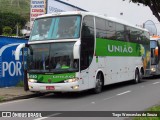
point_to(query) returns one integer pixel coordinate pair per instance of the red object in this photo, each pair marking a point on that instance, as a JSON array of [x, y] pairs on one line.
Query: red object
[[50, 87]]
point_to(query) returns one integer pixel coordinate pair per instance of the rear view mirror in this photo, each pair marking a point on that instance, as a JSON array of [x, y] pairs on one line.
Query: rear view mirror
[[76, 50], [18, 49]]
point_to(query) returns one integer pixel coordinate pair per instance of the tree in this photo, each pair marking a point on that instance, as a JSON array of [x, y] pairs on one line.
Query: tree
[[7, 30], [154, 5], [11, 20]]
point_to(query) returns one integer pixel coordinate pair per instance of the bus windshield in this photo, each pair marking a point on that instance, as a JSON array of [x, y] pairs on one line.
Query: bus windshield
[[54, 57], [53, 28], [153, 45]]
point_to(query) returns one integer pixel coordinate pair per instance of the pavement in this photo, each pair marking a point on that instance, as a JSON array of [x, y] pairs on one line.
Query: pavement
[[14, 93]]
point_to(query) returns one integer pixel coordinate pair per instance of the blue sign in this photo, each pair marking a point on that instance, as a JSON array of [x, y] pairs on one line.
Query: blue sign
[[11, 71]]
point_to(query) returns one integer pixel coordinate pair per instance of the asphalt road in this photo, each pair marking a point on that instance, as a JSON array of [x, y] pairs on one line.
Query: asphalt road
[[118, 97]]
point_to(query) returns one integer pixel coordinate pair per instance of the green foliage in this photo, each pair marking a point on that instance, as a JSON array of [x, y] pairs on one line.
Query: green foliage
[[21, 7], [13, 12], [145, 2], [7, 30], [154, 108], [1, 99], [20, 84], [12, 20]]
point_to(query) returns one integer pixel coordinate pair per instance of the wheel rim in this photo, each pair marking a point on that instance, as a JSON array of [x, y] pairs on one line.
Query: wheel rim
[[136, 77], [99, 84]]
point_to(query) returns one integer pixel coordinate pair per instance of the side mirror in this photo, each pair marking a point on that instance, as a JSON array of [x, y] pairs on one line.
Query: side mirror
[[76, 50], [18, 49]]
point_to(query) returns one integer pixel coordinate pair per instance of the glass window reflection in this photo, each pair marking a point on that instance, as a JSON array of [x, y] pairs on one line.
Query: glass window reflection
[[65, 27]]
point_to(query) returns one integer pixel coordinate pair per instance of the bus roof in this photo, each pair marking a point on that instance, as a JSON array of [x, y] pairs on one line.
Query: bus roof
[[83, 13]]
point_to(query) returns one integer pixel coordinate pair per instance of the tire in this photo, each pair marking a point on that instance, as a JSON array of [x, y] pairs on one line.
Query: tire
[[57, 93], [140, 76], [137, 77], [99, 84]]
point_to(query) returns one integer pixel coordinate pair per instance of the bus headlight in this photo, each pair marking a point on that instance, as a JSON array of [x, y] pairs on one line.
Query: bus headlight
[[32, 80], [75, 87], [71, 80], [153, 69]]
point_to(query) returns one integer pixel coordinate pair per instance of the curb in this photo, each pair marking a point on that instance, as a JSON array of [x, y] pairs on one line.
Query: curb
[[22, 97]]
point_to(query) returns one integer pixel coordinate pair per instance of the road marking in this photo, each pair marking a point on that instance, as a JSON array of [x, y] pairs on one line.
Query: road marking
[[155, 83], [93, 102], [42, 118], [124, 92], [142, 86], [108, 98]]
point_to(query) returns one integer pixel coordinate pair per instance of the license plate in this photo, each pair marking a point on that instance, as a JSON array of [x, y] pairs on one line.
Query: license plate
[[50, 88]]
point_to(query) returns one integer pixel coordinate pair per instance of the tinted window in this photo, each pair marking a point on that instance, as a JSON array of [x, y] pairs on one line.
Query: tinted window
[[120, 32], [137, 35], [101, 28], [87, 42], [127, 35], [52, 57], [153, 44], [110, 27], [61, 27], [134, 34]]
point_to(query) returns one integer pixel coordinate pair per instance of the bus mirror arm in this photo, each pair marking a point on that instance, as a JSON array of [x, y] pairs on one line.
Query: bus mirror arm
[[76, 50], [18, 49]]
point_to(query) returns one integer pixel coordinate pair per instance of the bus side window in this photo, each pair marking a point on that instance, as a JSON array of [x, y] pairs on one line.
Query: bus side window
[[133, 35], [111, 30], [120, 32], [101, 28], [127, 33]]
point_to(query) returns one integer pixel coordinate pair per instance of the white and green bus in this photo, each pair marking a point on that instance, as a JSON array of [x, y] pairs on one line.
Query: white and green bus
[[76, 51]]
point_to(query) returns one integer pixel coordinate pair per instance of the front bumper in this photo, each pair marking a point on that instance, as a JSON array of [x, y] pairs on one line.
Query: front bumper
[[58, 87]]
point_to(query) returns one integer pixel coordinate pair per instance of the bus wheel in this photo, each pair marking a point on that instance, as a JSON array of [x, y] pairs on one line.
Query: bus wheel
[[99, 83], [137, 77], [57, 93]]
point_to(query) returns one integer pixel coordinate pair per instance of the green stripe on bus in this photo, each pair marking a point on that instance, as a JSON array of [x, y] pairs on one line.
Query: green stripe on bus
[[53, 78], [106, 47]]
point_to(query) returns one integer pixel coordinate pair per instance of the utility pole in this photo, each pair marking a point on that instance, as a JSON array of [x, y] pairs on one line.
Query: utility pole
[[17, 29]]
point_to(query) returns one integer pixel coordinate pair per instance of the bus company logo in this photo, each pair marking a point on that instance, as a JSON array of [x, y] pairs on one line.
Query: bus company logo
[[6, 114], [120, 49]]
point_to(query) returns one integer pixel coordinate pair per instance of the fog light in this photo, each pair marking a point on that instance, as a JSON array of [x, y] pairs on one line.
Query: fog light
[[30, 87], [75, 87], [71, 80]]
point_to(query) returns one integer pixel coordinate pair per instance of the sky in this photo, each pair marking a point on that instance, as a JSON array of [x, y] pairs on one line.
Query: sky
[[132, 13]]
